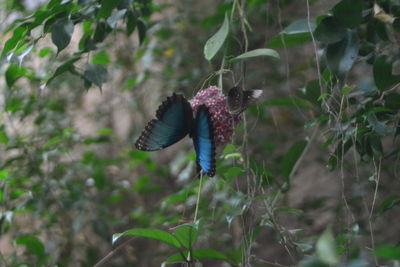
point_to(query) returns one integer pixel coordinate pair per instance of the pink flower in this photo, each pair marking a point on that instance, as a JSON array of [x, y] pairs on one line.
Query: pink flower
[[223, 121]]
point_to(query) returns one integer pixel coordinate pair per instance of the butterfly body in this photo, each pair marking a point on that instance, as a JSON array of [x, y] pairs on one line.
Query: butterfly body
[[239, 100], [174, 120]]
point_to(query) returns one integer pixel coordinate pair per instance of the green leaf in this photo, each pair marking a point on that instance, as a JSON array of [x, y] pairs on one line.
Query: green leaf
[[289, 40], [3, 174], [257, 53], [383, 77], [101, 58], [388, 252], [341, 56], [389, 203], [232, 172], [67, 66], [349, 12], [326, 248], [198, 254], [96, 74], [299, 26], [289, 102], [291, 157], [154, 234], [18, 34], [329, 31], [106, 8], [115, 17], [131, 22], [32, 244], [3, 135], [142, 28], [61, 33], [311, 92], [379, 127], [186, 234], [214, 44], [13, 73], [45, 51]]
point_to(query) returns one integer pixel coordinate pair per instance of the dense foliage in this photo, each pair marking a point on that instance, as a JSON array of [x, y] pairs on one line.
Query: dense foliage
[[309, 179]]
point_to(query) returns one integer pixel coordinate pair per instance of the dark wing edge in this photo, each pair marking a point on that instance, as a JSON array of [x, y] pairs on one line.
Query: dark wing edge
[[162, 109], [211, 173], [235, 100]]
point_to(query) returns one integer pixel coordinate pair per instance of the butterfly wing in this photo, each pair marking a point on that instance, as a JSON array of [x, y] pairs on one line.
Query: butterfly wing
[[203, 140], [174, 119], [239, 100]]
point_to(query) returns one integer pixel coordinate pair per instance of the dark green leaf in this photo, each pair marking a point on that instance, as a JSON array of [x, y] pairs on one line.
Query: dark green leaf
[[289, 102], [311, 92], [392, 101], [3, 135], [101, 32], [131, 22], [383, 77], [67, 66], [341, 56], [339, 152], [232, 172], [214, 44], [186, 234], [32, 244], [154, 234], [329, 31], [289, 40], [299, 26], [349, 12], [198, 254], [13, 73], [96, 74], [389, 203], [106, 8], [388, 252], [61, 33], [257, 53], [142, 28], [291, 157]]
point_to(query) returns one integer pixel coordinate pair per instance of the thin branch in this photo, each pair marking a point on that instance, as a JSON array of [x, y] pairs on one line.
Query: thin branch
[[113, 252]]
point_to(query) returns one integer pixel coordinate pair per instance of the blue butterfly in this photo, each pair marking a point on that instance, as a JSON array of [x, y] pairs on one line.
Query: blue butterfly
[[174, 120]]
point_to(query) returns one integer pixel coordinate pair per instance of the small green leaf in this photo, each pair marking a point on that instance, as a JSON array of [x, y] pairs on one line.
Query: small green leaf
[[214, 44], [13, 73], [388, 252], [329, 31], [232, 172], [101, 58], [67, 66], [291, 157], [198, 254], [383, 77], [106, 8], [45, 51], [61, 33], [349, 12], [186, 234], [32, 244], [326, 248], [340, 56], [96, 74], [299, 26], [257, 53], [3, 135], [154, 234], [142, 28], [3, 174], [311, 92]]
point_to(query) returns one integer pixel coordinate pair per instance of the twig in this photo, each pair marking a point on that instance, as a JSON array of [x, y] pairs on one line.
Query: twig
[[113, 252]]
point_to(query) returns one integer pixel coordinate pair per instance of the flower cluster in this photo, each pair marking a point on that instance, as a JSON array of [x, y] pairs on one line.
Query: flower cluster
[[216, 103]]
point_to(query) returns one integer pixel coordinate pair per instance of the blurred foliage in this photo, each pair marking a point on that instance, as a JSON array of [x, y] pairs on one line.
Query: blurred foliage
[[81, 77]]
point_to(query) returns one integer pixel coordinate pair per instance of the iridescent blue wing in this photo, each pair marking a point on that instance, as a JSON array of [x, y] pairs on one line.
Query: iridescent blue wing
[[174, 120], [238, 100], [203, 140]]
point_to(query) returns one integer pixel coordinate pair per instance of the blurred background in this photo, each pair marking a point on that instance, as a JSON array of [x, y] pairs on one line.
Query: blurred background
[[309, 179]]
